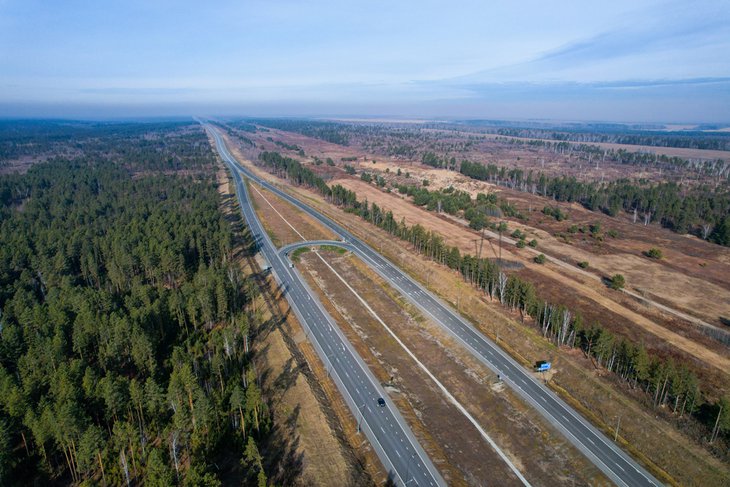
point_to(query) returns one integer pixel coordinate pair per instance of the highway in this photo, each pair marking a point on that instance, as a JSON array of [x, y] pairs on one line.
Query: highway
[[387, 431], [597, 447]]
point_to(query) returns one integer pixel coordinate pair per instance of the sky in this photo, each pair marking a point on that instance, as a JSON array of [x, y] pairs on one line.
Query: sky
[[632, 61]]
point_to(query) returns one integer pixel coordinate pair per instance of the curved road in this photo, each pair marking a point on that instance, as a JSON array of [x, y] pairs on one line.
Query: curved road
[[387, 431], [599, 449]]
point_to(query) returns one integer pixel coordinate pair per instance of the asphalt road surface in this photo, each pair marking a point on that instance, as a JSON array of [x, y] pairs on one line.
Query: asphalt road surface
[[385, 428], [597, 447]]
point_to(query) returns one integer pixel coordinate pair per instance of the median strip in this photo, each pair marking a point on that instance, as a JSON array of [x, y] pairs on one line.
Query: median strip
[[441, 387]]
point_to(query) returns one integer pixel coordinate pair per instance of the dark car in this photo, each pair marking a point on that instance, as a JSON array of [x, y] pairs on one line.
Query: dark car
[[381, 402]]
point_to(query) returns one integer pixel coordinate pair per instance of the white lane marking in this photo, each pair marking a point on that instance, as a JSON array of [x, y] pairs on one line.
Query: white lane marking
[[277, 212], [222, 148], [438, 383]]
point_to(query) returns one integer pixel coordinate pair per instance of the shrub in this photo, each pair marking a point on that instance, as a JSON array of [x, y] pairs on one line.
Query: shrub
[[617, 282], [521, 244], [517, 234], [583, 264], [555, 212], [540, 259], [654, 253], [612, 233], [573, 229], [533, 243]]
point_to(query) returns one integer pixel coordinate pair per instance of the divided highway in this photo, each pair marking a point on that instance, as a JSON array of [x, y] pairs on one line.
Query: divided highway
[[384, 427], [604, 453]]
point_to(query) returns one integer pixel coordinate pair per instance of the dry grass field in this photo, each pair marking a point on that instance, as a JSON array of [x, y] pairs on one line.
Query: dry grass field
[[597, 300], [512, 425], [601, 397], [314, 420], [274, 214]]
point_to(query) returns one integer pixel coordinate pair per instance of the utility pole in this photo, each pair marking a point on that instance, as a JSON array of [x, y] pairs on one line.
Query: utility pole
[[618, 425], [481, 244]]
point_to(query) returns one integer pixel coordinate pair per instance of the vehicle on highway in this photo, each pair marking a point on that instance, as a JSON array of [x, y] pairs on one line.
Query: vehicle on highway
[[603, 452], [542, 366]]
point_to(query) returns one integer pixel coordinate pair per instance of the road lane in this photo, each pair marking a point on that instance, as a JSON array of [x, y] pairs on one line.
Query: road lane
[[604, 453], [385, 428]]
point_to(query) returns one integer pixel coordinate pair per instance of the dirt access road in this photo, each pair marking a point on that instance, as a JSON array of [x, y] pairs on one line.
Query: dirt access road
[[460, 236]]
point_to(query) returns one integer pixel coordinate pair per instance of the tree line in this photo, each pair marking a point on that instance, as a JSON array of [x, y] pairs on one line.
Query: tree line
[[593, 154], [19, 138], [687, 139], [293, 170], [666, 382], [477, 211], [125, 327], [701, 210], [327, 131], [431, 159]]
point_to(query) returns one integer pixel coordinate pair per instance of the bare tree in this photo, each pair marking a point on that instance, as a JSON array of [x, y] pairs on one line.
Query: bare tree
[[547, 318], [647, 217], [564, 327], [706, 229], [502, 286], [173, 451]]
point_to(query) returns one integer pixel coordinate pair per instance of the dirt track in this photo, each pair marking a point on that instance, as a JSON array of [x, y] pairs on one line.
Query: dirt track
[[652, 432], [463, 238]]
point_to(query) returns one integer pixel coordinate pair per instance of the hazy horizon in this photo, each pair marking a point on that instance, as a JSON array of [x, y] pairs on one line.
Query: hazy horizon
[[654, 62]]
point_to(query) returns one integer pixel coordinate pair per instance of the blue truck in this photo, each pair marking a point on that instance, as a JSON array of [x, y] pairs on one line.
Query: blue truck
[[542, 366]]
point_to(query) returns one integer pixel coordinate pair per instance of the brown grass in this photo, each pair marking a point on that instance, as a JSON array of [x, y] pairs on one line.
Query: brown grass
[[351, 321], [278, 218], [689, 463], [513, 425], [669, 151], [458, 235], [693, 278], [294, 383], [652, 434]]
